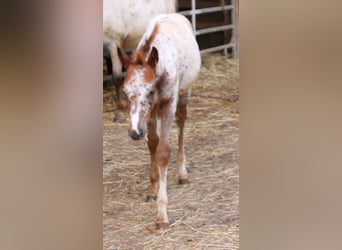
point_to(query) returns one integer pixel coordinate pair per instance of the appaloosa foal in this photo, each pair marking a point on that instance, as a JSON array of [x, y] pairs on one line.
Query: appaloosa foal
[[158, 79]]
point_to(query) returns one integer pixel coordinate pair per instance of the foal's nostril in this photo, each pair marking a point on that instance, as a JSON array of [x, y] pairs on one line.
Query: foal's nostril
[[133, 134], [141, 133], [136, 136]]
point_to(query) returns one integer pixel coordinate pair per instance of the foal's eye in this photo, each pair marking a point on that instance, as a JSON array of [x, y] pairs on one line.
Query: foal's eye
[[150, 97]]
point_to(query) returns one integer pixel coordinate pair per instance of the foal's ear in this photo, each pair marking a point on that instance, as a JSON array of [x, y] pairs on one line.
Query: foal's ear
[[124, 58], [153, 58]]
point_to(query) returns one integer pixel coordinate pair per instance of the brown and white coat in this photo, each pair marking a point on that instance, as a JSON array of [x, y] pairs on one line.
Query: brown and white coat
[[158, 83]]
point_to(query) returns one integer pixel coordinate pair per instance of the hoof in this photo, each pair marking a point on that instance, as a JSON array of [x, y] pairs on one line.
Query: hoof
[[151, 197], [162, 226], [183, 181]]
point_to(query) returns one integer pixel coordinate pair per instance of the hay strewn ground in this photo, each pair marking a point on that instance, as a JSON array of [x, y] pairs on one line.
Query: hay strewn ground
[[203, 215]]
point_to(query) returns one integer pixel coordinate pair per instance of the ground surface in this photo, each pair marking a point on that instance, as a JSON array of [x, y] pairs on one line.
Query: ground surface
[[203, 215]]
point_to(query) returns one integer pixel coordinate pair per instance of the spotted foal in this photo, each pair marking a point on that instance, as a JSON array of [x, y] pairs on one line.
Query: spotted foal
[[157, 83]]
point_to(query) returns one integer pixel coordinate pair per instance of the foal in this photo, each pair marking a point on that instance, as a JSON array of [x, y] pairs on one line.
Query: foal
[[157, 83]]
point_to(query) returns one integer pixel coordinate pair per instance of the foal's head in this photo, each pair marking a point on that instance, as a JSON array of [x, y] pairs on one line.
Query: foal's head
[[140, 88]]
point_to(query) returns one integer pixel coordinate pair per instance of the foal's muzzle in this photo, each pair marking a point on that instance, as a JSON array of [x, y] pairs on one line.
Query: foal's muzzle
[[136, 135]]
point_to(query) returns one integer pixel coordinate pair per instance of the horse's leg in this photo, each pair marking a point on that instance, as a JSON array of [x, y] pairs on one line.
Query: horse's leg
[[108, 66], [163, 155], [181, 117], [152, 143], [118, 83]]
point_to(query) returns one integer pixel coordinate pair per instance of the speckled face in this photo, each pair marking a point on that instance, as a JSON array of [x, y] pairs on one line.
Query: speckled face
[[139, 88]]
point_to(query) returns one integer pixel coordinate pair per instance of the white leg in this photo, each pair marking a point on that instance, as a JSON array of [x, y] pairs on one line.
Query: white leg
[[181, 162], [163, 156], [162, 201]]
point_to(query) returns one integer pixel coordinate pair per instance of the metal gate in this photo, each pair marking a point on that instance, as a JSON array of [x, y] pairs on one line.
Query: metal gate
[[222, 6]]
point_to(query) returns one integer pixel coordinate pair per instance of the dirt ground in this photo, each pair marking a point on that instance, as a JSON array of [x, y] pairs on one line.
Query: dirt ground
[[204, 214]]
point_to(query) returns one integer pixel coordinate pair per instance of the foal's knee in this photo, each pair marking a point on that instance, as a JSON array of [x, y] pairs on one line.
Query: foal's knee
[[152, 142], [164, 152]]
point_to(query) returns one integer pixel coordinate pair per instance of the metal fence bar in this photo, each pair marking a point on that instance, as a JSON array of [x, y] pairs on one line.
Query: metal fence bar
[[214, 29], [222, 4], [221, 47], [193, 15], [206, 10], [193, 12], [235, 21]]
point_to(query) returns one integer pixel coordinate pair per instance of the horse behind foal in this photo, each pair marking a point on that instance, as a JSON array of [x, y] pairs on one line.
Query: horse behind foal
[[157, 83], [124, 23]]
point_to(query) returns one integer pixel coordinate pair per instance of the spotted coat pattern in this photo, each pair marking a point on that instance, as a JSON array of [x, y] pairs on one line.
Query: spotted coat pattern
[[158, 83]]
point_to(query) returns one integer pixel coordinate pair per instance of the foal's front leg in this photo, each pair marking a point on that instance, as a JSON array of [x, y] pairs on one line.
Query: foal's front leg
[[153, 140], [163, 155]]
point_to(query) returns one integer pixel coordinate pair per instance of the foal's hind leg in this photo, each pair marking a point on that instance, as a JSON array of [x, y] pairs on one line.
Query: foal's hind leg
[[181, 117], [153, 140]]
